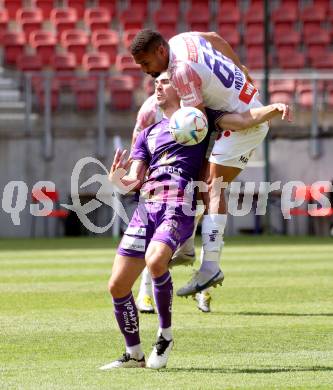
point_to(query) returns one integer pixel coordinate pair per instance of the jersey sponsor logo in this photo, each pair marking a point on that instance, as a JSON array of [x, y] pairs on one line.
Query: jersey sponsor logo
[[136, 231], [191, 49], [247, 93], [133, 243]]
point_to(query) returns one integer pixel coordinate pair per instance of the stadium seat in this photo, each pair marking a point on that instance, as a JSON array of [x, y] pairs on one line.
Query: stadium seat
[[168, 32], [198, 17], [30, 19], [65, 65], [121, 88], [254, 35], [128, 36], [285, 15], [228, 14], [282, 97], [63, 19], [78, 5], [305, 93], [282, 86], [230, 34], [324, 62], [95, 62], [132, 18], [75, 41], [109, 5], [29, 62], [97, 18], [106, 41], [288, 58], [85, 91], [45, 5], [12, 6], [254, 14], [126, 65], [314, 14], [284, 36], [13, 43], [166, 17], [44, 42], [4, 19], [38, 86], [320, 40], [255, 58]]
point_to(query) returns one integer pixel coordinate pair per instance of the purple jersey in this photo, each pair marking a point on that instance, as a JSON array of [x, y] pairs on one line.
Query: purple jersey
[[171, 166]]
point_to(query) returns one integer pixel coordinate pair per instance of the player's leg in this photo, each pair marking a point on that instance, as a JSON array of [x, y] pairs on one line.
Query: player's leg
[[158, 256], [125, 271], [144, 301]]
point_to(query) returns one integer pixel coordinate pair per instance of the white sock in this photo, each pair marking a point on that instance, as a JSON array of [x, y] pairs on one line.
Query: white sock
[[213, 226], [146, 283], [165, 332], [135, 351]]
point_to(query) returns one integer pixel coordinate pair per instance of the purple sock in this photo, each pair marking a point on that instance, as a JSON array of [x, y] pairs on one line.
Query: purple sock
[[163, 290], [127, 316]]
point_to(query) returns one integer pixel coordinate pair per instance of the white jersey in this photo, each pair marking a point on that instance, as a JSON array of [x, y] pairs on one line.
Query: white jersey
[[202, 75], [149, 113]]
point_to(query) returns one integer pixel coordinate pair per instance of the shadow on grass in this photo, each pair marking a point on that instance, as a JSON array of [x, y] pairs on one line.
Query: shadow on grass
[[263, 370]]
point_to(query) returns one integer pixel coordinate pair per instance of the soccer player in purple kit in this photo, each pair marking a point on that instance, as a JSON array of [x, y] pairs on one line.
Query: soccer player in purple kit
[[159, 225]]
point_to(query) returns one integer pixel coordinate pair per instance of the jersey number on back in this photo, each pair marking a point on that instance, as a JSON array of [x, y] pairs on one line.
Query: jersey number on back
[[214, 61]]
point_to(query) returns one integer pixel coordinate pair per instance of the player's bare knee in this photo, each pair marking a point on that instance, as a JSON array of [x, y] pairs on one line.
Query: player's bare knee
[[155, 265], [117, 289]]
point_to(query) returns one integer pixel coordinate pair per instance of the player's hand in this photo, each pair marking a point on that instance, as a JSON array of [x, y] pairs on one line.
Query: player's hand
[[119, 166], [247, 75], [284, 109]]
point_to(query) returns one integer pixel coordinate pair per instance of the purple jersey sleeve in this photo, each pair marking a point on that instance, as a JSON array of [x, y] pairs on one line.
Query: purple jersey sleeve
[[140, 150]]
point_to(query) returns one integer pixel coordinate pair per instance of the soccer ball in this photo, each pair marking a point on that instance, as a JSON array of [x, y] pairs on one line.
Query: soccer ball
[[188, 126]]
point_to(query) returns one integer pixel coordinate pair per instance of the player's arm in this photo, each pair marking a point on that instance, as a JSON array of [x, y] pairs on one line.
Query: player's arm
[[224, 47], [255, 116], [126, 173]]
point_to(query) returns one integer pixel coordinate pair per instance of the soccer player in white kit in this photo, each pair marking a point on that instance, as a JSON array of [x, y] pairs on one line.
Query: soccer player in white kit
[[207, 73]]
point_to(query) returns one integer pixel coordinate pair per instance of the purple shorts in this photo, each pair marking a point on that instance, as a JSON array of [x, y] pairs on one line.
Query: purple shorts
[[157, 222]]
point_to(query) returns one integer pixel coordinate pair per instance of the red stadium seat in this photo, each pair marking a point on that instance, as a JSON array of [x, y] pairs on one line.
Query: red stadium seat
[[282, 86], [313, 14], [254, 35], [75, 41], [198, 17], [167, 17], [321, 38], [29, 62], [12, 6], [284, 36], [324, 62], [230, 34], [229, 14], [44, 42], [132, 18], [45, 5], [121, 92], [255, 14], [282, 97], [285, 15], [109, 5], [63, 19], [255, 58], [13, 43], [30, 19], [85, 90], [168, 32], [39, 87], [95, 62], [128, 36], [314, 52], [65, 63], [4, 19], [288, 58], [126, 65], [78, 5], [106, 41], [97, 18]]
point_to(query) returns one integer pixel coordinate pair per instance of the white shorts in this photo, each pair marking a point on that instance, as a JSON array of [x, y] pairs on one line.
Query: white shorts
[[234, 148]]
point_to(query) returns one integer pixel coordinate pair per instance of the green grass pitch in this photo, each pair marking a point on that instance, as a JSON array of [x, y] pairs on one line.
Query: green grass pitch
[[271, 325]]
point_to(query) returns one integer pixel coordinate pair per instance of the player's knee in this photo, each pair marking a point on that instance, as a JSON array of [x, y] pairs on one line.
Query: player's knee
[[155, 266], [116, 289]]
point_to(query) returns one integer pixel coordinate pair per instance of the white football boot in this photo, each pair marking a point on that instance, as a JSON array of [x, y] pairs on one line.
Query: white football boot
[[126, 361], [200, 281], [203, 299], [144, 304], [160, 354]]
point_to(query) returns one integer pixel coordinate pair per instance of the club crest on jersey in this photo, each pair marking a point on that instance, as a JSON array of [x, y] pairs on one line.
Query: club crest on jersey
[[164, 160], [247, 93]]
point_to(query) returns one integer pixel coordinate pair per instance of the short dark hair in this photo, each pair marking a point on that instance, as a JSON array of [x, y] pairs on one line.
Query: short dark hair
[[147, 40]]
